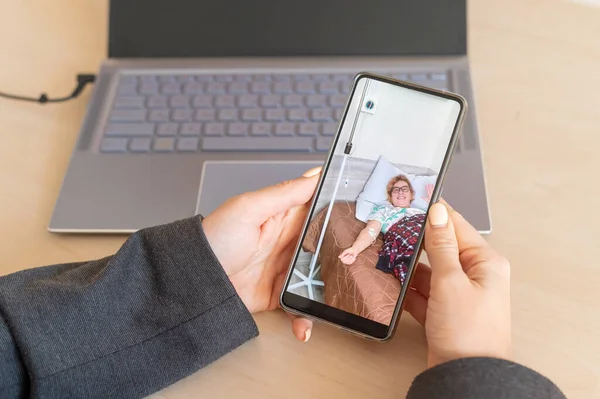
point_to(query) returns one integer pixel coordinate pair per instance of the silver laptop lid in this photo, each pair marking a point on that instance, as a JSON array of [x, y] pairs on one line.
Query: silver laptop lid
[[200, 28]]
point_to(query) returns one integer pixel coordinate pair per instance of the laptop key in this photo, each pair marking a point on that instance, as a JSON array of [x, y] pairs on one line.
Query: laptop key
[[193, 88], [182, 115], [345, 87], [190, 129], [328, 129], [418, 77], [166, 78], [202, 101], [320, 77], [228, 114], [323, 143], [298, 115], [238, 88], [167, 129], [252, 115], [283, 88], [308, 129], [170, 88], [159, 115], [187, 144], [293, 101], [113, 145], [248, 101], [130, 102], [223, 78], [316, 101], [342, 77], [284, 129], [261, 129], [130, 129], [140, 145], [260, 87], [337, 100], [164, 144], [243, 78], [180, 101], [438, 76], [205, 115], [436, 84], [305, 87], [338, 114], [215, 88], [128, 79], [274, 115], [270, 101], [127, 88], [321, 115], [148, 78], [328, 87], [214, 129], [237, 129], [148, 88], [122, 115], [225, 101], [400, 76], [257, 144], [185, 78], [157, 102], [282, 78]]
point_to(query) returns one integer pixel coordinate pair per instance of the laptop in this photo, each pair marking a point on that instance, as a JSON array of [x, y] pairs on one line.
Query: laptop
[[201, 100]]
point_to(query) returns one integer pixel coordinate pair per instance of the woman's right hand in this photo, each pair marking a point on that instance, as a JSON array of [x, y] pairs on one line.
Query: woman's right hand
[[463, 299], [348, 256]]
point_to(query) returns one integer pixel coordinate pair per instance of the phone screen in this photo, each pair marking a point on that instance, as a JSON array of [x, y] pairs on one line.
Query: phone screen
[[366, 223]]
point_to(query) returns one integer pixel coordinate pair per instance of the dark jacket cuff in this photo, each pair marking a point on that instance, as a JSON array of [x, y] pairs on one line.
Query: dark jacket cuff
[[482, 378], [158, 310]]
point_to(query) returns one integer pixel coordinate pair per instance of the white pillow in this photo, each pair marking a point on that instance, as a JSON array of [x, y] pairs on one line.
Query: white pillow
[[374, 192]]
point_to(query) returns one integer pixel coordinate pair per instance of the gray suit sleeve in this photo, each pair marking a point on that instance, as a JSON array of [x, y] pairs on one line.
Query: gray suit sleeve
[[124, 326], [482, 378]]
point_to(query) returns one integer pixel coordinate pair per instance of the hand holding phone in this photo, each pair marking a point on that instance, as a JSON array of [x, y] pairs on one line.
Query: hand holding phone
[[362, 237], [462, 301], [253, 236]]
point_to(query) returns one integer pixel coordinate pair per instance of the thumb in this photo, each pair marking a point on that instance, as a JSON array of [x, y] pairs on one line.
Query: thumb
[[282, 197], [441, 244]]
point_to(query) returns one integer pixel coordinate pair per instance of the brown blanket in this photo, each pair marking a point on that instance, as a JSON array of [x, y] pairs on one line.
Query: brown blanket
[[359, 288]]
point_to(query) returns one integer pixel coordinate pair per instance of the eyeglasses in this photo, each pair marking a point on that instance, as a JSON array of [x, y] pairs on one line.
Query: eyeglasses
[[404, 189]]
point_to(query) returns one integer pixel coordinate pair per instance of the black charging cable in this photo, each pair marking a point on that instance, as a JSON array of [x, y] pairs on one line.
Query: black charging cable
[[82, 81]]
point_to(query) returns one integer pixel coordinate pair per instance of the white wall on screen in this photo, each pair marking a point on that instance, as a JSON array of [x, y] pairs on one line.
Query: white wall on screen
[[408, 127]]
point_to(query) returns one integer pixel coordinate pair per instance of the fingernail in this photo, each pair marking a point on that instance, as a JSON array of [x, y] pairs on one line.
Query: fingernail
[[312, 172], [438, 216], [307, 334]]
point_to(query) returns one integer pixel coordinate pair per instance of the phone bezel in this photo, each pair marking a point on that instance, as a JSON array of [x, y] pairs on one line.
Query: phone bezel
[[350, 322]]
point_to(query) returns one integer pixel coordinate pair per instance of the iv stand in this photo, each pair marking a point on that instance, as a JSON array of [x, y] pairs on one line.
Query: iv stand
[[309, 280]]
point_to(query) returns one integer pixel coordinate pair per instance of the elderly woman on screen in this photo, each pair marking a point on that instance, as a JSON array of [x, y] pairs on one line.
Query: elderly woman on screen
[[401, 227]]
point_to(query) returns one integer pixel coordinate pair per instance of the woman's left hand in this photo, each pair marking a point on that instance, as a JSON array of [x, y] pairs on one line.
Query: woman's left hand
[[429, 188], [348, 256], [254, 236]]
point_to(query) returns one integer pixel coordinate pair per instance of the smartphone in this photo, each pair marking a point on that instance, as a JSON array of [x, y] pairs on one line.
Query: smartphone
[[362, 237]]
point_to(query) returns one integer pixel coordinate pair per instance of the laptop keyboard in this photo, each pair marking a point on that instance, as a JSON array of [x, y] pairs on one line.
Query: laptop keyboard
[[221, 112]]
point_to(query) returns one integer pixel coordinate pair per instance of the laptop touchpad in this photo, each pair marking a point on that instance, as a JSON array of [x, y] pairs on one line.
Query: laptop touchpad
[[223, 180]]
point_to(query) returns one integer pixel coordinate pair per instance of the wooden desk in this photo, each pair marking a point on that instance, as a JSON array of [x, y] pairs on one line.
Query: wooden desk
[[535, 66]]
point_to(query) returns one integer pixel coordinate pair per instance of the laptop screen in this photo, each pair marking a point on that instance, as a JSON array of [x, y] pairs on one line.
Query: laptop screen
[[200, 28]]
